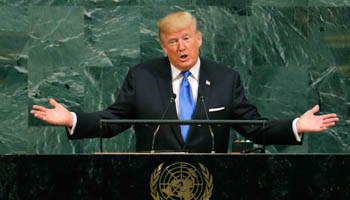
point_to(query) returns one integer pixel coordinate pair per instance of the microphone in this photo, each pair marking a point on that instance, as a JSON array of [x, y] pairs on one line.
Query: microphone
[[172, 99], [210, 128]]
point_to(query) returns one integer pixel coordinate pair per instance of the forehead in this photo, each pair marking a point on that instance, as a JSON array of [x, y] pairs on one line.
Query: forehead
[[190, 30]]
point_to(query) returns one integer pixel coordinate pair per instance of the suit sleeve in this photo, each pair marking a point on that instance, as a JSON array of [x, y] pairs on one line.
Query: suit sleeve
[[274, 132], [88, 124]]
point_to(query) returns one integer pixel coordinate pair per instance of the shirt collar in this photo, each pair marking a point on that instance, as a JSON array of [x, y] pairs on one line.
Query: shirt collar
[[175, 72]]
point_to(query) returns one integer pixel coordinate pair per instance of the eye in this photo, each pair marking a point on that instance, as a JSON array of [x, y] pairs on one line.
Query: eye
[[172, 42]]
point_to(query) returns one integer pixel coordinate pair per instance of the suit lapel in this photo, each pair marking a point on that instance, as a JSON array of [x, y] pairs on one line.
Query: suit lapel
[[166, 92]]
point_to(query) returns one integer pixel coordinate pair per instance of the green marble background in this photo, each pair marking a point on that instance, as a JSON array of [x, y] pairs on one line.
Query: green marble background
[[291, 56]]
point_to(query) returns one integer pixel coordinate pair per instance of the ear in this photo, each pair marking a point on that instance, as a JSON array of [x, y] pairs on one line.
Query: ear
[[164, 48], [199, 38], [162, 43]]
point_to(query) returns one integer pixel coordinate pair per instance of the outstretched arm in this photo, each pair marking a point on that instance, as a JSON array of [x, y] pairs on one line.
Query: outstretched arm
[[58, 115], [309, 122]]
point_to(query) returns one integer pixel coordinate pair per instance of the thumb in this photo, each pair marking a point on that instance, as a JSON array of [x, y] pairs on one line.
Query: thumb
[[315, 109], [53, 102]]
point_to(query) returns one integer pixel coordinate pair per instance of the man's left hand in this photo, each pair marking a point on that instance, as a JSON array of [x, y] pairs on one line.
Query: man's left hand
[[309, 122]]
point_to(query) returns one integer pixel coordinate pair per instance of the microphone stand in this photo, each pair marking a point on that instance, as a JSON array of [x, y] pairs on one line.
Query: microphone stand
[[172, 99], [210, 128], [107, 122]]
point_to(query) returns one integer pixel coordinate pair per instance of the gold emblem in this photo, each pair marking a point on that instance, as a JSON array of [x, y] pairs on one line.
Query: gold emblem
[[181, 181]]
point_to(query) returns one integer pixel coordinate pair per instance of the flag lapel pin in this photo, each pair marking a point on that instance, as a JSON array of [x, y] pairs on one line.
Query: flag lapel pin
[[207, 83]]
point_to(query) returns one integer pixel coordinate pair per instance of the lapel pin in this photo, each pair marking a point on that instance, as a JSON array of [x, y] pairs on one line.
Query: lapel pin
[[207, 82]]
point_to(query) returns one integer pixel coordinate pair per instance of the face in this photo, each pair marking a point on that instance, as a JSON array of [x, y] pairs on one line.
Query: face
[[182, 47]]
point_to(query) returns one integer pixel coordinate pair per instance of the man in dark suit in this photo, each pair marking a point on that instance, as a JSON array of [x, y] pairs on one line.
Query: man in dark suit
[[149, 87]]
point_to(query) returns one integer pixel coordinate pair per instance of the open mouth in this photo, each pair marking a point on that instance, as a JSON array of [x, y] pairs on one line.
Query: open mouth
[[183, 57]]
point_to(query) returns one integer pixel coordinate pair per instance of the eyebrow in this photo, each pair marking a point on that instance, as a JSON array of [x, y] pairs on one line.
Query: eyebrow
[[185, 35], [172, 39]]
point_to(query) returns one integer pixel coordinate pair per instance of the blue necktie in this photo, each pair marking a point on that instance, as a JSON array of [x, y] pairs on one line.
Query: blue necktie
[[186, 103]]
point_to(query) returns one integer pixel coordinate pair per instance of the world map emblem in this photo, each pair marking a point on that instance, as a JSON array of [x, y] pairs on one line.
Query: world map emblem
[[181, 181]]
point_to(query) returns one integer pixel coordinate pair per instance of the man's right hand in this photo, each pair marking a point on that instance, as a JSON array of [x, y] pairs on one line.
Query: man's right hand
[[58, 115]]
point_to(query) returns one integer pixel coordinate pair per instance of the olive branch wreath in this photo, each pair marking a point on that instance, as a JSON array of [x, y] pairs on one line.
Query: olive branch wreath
[[153, 182], [208, 178], [208, 182]]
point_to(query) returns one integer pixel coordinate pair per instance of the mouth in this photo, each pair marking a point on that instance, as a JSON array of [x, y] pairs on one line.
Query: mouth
[[183, 57]]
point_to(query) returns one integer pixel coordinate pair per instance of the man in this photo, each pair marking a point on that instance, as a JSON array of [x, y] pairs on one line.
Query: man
[[149, 87]]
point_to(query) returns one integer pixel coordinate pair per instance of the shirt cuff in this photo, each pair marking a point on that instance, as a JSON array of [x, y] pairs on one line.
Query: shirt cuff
[[71, 129], [295, 130]]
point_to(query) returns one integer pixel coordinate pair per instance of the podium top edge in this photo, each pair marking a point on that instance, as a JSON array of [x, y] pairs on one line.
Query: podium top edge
[[183, 122]]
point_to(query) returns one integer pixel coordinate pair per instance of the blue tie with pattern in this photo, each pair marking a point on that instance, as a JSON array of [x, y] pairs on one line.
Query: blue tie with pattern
[[186, 103]]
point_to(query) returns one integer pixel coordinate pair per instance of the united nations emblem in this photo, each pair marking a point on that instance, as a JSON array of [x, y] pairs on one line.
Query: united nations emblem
[[181, 181]]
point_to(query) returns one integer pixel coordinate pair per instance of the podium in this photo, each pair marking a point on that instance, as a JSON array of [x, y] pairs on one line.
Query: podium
[[137, 176], [216, 176]]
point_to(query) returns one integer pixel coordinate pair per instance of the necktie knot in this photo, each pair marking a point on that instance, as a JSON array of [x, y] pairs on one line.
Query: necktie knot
[[186, 74]]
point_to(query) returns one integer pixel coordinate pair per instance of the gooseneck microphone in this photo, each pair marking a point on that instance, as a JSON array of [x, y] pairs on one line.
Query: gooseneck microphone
[[172, 99], [210, 128]]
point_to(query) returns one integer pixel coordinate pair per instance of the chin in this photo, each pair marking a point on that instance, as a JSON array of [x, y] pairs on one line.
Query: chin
[[185, 68], [186, 65]]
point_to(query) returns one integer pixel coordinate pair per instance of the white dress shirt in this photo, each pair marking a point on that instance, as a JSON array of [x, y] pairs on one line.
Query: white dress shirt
[[193, 79]]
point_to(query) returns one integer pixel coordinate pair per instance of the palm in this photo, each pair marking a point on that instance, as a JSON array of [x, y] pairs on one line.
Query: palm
[[309, 122], [55, 115]]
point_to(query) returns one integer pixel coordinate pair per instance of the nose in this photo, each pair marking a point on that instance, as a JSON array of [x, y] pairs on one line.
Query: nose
[[181, 45]]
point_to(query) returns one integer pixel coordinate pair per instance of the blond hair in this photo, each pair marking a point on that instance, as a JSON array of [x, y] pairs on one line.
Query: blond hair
[[175, 22]]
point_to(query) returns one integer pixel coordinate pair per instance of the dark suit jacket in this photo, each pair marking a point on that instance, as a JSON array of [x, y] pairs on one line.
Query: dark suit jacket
[[146, 92]]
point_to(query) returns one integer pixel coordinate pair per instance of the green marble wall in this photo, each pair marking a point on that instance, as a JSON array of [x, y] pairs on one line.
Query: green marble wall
[[291, 56]]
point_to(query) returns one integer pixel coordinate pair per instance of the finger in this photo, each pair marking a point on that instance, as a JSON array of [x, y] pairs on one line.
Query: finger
[[329, 120], [315, 109], [326, 116], [53, 102], [329, 124], [320, 129], [37, 112], [40, 116], [40, 108], [326, 126]]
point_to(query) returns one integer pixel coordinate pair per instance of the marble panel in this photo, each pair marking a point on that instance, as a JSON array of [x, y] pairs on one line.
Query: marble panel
[[291, 55], [13, 80], [13, 107], [13, 33], [280, 3], [57, 57], [229, 3], [179, 3], [324, 3]]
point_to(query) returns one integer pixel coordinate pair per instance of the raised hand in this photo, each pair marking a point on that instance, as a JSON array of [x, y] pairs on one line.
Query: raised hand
[[309, 122], [58, 115]]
